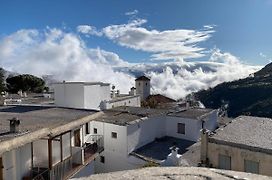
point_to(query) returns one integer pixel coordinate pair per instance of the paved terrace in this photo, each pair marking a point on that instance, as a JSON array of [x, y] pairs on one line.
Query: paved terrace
[[159, 149]]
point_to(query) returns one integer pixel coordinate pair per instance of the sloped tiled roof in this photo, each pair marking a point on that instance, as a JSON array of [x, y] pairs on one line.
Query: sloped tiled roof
[[142, 78], [161, 98]]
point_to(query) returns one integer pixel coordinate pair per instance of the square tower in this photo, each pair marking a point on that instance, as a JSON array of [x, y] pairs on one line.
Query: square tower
[[142, 85]]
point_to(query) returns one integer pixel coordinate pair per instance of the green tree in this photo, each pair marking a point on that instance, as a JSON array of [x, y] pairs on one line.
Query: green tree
[[25, 82], [2, 80]]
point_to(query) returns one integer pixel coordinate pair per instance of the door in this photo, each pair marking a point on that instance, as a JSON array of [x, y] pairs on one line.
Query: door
[[77, 140]]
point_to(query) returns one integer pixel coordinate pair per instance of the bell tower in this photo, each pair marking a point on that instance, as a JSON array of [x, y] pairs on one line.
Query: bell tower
[[142, 85]]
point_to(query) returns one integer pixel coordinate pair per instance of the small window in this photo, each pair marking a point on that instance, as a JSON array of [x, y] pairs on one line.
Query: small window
[[128, 102], [87, 128], [251, 166], [125, 103], [181, 128], [114, 135], [95, 130], [224, 162], [102, 159], [146, 84], [139, 84]]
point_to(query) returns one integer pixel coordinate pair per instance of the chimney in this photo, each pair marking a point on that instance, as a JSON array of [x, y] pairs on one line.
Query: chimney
[[204, 145], [14, 125], [173, 159], [132, 91], [20, 93], [174, 151]]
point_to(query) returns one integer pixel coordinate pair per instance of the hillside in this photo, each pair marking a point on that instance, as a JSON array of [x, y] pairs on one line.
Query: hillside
[[249, 96]]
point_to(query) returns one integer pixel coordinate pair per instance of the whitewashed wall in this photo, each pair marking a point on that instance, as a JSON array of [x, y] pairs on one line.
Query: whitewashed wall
[[143, 132], [134, 101], [17, 163], [192, 128], [94, 95], [211, 121], [116, 162], [69, 95]]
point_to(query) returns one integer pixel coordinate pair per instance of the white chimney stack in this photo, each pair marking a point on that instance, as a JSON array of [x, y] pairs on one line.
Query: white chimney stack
[[132, 91], [173, 159]]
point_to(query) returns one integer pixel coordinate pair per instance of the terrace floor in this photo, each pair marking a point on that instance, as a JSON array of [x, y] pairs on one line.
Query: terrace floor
[[159, 149]]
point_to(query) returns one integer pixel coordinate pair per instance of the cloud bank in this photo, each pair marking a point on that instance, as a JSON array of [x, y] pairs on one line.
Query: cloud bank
[[65, 56], [164, 45]]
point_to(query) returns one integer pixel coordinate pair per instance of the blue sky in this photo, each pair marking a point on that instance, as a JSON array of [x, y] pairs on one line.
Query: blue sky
[[242, 27]]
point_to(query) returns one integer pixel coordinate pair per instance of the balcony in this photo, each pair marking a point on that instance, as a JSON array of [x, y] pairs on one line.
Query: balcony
[[78, 159]]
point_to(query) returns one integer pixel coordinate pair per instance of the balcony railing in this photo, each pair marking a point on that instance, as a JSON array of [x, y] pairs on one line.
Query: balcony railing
[[73, 164], [94, 144]]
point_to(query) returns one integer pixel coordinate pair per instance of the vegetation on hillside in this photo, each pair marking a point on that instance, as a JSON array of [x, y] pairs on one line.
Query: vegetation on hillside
[[249, 96]]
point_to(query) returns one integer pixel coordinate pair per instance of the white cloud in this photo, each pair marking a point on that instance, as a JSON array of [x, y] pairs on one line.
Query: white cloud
[[177, 79], [63, 55], [88, 30], [175, 44], [66, 57], [131, 13]]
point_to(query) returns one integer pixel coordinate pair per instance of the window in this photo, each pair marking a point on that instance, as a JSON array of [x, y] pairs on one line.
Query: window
[[102, 159], [139, 84], [251, 166], [145, 84], [181, 128], [114, 135], [87, 129], [94, 130], [224, 162]]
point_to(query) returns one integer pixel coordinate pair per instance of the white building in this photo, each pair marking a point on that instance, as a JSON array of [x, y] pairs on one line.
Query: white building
[[142, 85], [46, 142], [130, 132], [91, 95]]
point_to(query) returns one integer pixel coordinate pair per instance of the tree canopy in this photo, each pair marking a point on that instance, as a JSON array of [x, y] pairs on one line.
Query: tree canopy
[[25, 82], [2, 80]]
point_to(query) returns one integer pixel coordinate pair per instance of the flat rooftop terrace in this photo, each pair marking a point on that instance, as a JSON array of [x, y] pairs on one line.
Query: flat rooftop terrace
[[192, 113], [124, 115], [33, 118], [159, 149], [245, 132]]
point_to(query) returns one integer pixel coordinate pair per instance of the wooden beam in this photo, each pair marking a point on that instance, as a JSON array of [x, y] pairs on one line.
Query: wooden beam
[[61, 149], [1, 169], [32, 162], [50, 153]]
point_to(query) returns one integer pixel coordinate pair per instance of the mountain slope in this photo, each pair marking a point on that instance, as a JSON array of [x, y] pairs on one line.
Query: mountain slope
[[249, 96]]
